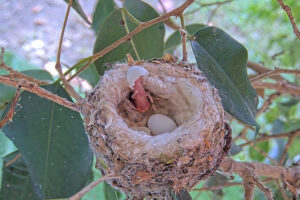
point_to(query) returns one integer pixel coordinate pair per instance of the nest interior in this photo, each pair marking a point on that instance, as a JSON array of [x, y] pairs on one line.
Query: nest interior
[[149, 166]]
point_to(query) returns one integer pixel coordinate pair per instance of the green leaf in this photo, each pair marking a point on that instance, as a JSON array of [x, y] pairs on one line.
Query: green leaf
[[53, 144], [76, 5], [111, 193], [255, 155], [145, 45], [174, 40], [91, 75], [39, 74], [223, 61], [103, 9], [16, 182]]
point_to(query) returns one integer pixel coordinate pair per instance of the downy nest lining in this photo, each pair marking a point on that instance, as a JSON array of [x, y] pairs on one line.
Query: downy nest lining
[[148, 166]]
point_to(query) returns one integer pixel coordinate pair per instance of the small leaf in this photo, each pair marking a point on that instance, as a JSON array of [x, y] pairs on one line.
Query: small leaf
[[255, 155], [16, 182], [223, 61], [111, 193], [53, 144], [103, 9], [76, 5], [174, 40], [145, 45]]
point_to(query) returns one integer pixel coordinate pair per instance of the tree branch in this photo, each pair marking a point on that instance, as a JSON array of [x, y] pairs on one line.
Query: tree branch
[[265, 137], [34, 88], [68, 87], [176, 12], [10, 113], [282, 87], [288, 11]]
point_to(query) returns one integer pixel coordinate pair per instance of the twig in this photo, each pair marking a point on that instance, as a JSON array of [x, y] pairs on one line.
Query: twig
[[228, 184], [89, 187], [267, 103], [215, 3], [282, 87], [249, 174], [9, 115], [282, 191], [290, 175], [288, 11], [162, 6], [294, 133], [68, 87], [176, 12], [13, 160], [288, 144], [34, 88], [212, 14], [275, 72], [182, 31]]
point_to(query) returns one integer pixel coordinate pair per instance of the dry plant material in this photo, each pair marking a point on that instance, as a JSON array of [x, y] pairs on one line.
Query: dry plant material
[[147, 165]]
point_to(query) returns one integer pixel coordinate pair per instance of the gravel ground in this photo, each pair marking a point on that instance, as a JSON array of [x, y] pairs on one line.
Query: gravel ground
[[31, 29]]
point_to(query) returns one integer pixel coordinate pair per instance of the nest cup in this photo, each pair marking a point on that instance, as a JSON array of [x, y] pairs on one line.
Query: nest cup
[[146, 165]]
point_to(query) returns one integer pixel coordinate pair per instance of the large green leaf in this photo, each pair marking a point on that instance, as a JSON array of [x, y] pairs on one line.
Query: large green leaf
[[223, 61], [76, 5], [103, 9], [147, 44], [175, 39], [53, 144], [16, 182]]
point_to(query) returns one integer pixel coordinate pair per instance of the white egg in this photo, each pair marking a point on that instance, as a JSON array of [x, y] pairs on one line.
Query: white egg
[[135, 72], [159, 124]]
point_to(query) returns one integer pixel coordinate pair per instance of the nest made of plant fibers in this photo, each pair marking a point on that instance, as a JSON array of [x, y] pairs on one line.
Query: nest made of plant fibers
[[149, 166]]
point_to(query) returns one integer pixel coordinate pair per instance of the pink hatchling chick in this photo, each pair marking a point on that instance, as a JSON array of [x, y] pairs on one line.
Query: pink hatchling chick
[[141, 98]]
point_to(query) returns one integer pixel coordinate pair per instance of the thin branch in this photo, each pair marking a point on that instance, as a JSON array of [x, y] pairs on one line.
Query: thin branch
[[176, 12], [34, 88], [162, 6], [182, 31], [288, 11], [247, 171], [275, 72], [288, 144], [68, 87], [282, 191], [282, 87], [267, 103], [9, 115], [290, 175], [13, 160], [294, 133], [215, 3], [89, 187]]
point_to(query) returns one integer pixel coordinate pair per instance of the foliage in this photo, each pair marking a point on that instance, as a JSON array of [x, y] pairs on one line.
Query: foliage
[[55, 157]]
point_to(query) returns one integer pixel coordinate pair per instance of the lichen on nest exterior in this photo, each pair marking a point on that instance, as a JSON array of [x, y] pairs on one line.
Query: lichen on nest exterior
[[149, 166]]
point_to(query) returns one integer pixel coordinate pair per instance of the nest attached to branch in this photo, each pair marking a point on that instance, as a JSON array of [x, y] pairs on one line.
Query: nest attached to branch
[[150, 166]]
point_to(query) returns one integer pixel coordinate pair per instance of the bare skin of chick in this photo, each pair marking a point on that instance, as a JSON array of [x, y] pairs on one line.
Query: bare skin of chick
[[141, 98]]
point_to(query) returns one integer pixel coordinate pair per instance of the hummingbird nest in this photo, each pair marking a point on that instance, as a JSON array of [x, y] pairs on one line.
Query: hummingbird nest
[[146, 165]]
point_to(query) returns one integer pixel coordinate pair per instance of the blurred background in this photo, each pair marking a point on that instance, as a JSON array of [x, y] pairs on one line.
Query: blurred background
[[30, 30]]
